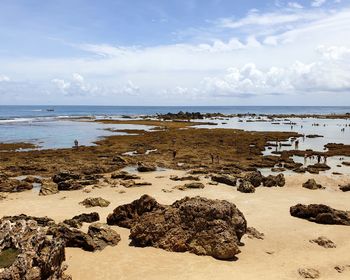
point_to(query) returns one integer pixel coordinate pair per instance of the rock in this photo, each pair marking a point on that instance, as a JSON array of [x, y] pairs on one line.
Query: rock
[[28, 253], [246, 187], [345, 188], [316, 168], [321, 214], [142, 167], [103, 235], [48, 187], [254, 233], [274, 181], [94, 202], [124, 176], [77, 221], [313, 136], [197, 225], [32, 179], [184, 178], [299, 170], [126, 215], [339, 268], [323, 242], [119, 160], [132, 183], [193, 185], [13, 185], [225, 179], [312, 185], [278, 169], [346, 163], [309, 273], [73, 237], [41, 221], [255, 178], [64, 176]]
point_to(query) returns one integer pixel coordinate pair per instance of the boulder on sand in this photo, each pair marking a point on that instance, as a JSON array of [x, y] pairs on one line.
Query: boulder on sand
[[323, 242], [321, 214], [345, 188], [274, 181], [197, 225], [48, 187], [77, 221], [225, 179], [142, 167], [245, 187], [103, 235], [14, 185], [312, 185], [94, 202]]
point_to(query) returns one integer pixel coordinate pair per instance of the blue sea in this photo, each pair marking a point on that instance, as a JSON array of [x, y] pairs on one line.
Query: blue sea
[[51, 126]]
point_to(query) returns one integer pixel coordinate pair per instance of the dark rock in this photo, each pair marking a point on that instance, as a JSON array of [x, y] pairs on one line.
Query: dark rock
[[312, 185], [225, 179], [255, 178], [142, 167], [126, 215], [41, 221], [345, 188], [246, 187], [13, 185], [274, 181], [193, 185], [103, 235], [77, 221], [119, 160], [94, 202], [197, 225], [346, 163], [64, 176], [321, 214], [184, 178]]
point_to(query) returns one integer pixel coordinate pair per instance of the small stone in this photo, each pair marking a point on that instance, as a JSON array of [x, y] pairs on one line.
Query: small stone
[[324, 242], [309, 273]]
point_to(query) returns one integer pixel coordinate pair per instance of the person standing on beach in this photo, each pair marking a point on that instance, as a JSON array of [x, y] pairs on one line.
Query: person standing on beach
[[212, 158], [297, 144], [174, 154], [76, 144], [318, 158]]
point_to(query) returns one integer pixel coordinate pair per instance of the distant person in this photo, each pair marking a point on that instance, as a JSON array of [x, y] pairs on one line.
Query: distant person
[[212, 158], [218, 159], [318, 158], [325, 158], [305, 159], [174, 154], [76, 144], [297, 144]]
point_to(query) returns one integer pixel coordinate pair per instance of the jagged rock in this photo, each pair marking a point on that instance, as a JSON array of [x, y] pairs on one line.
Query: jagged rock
[[77, 221], [346, 163], [132, 183], [126, 215], [321, 214], [94, 202], [13, 185], [299, 170], [123, 175], [246, 187], [64, 176], [254, 233], [184, 178], [32, 179], [103, 235], [225, 179], [48, 187], [255, 178], [142, 167], [345, 188], [312, 185], [274, 181], [323, 242], [73, 237], [41, 221], [27, 253], [309, 273], [197, 225]]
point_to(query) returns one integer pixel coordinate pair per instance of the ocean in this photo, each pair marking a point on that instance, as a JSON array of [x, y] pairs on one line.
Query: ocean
[[50, 127]]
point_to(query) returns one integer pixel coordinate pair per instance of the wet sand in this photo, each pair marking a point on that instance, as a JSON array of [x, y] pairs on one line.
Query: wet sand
[[285, 249]]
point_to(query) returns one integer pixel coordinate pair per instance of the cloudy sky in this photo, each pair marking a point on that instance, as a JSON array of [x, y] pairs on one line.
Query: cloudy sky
[[175, 52]]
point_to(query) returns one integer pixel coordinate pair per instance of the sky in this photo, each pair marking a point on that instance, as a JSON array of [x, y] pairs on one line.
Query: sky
[[175, 52]]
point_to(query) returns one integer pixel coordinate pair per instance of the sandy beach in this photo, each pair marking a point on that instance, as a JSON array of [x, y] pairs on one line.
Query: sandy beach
[[284, 249]]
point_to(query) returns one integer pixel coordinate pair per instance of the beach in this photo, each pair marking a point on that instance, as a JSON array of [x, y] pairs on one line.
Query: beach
[[221, 158]]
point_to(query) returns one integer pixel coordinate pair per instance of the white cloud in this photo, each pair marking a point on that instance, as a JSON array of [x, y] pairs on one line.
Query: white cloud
[[295, 5], [318, 3], [4, 78]]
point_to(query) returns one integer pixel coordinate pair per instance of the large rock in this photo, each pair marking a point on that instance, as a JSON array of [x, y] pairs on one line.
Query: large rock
[[48, 187], [274, 181], [103, 235], [312, 185], [65, 176], [68, 181], [254, 177], [142, 167], [126, 215], [193, 185], [321, 214], [41, 221], [225, 179], [197, 225], [246, 187], [94, 202], [27, 253], [123, 175]]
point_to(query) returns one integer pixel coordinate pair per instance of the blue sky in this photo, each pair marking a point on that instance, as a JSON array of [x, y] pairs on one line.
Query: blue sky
[[183, 52]]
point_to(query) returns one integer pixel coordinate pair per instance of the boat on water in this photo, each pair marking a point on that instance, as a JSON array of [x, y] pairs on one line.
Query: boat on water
[[50, 110]]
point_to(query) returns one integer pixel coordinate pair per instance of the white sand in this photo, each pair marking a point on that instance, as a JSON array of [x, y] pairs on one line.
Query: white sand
[[285, 249]]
